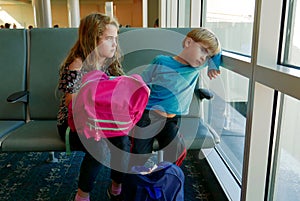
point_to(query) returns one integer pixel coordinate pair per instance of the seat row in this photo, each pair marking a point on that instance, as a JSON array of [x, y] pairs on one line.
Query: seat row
[[29, 66]]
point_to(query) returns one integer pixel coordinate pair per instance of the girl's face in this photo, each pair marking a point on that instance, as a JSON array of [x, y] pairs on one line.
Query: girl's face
[[196, 53], [108, 42]]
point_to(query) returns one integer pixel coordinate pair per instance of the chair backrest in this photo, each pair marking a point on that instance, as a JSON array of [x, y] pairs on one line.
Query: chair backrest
[[141, 45], [48, 49], [13, 61]]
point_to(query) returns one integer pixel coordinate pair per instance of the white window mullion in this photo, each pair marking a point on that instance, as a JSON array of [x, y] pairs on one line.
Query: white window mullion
[[109, 8], [162, 13], [145, 13], [195, 13], [257, 144], [181, 13], [168, 13], [173, 13]]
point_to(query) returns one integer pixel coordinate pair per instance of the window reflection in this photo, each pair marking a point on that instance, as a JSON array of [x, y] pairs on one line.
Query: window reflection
[[226, 114], [287, 176], [232, 22], [292, 37]]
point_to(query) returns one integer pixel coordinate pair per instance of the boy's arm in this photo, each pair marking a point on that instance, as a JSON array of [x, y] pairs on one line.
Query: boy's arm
[[214, 66], [147, 74]]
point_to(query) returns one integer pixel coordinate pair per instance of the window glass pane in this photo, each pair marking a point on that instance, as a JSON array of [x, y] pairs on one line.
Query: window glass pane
[[184, 12], [226, 114], [287, 177], [232, 22], [292, 49]]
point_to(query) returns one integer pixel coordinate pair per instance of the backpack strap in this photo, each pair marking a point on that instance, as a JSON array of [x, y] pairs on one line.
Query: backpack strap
[[149, 193], [67, 140]]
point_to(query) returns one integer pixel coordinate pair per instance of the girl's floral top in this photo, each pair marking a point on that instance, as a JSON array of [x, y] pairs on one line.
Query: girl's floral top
[[69, 82]]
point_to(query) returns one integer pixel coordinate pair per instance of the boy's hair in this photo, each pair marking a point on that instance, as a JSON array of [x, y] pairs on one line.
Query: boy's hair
[[206, 37], [90, 31]]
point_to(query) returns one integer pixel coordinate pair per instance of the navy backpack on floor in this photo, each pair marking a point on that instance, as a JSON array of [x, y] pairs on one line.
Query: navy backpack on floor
[[165, 183]]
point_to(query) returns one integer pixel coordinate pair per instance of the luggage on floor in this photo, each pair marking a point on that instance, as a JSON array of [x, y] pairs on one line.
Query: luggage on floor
[[162, 183]]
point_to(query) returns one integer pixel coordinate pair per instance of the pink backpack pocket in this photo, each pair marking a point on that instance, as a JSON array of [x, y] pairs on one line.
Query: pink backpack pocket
[[107, 106]]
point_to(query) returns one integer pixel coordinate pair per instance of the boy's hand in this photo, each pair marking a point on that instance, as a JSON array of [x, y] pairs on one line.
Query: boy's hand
[[213, 73]]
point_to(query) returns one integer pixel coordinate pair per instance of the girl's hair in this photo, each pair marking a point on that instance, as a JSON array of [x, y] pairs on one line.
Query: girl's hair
[[206, 37], [89, 34]]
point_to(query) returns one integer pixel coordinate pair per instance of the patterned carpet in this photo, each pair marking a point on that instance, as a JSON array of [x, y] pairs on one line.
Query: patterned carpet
[[27, 177]]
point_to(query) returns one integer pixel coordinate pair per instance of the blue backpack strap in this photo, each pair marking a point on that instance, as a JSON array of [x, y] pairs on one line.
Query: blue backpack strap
[[67, 140], [154, 192], [146, 193]]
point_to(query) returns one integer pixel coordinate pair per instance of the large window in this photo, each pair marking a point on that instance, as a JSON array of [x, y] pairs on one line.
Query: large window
[[226, 114], [232, 22], [286, 182], [291, 54]]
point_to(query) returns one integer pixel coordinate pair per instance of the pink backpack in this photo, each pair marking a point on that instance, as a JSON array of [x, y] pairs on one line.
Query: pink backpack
[[107, 106]]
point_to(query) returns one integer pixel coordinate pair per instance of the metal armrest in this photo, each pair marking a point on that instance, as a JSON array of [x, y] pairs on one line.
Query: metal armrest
[[20, 96], [204, 94]]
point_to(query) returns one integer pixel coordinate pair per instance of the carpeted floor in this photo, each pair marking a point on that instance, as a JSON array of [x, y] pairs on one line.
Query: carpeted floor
[[27, 177]]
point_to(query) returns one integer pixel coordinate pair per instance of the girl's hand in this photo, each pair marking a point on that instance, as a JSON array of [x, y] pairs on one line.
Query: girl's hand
[[69, 97]]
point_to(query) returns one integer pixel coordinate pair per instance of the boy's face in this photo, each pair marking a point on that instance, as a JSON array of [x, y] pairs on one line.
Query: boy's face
[[196, 53]]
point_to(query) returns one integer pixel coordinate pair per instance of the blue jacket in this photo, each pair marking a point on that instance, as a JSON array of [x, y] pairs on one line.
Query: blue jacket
[[172, 83]]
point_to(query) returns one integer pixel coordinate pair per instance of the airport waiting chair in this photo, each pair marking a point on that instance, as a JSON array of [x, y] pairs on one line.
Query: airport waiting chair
[[13, 62]]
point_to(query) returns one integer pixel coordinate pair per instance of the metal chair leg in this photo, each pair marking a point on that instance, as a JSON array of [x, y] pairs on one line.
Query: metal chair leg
[[160, 156], [51, 158]]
